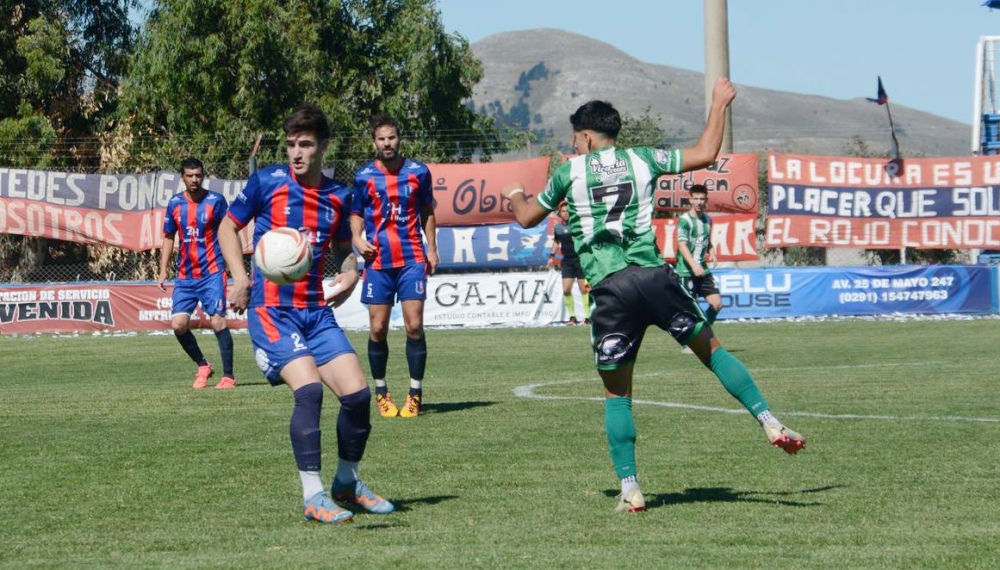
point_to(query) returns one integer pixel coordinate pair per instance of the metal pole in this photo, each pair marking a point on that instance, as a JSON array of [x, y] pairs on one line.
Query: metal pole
[[717, 59]]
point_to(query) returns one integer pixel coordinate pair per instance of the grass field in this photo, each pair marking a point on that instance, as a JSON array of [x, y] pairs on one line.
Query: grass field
[[109, 459]]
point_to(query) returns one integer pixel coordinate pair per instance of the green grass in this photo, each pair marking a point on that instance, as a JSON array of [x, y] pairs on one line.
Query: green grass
[[108, 458]]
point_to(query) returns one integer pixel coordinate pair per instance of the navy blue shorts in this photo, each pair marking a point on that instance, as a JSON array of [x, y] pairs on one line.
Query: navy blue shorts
[[282, 334], [384, 286], [210, 291]]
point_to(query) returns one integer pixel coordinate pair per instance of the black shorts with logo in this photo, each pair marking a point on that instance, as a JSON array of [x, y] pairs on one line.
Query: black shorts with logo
[[627, 302], [571, 268], [700, 286]]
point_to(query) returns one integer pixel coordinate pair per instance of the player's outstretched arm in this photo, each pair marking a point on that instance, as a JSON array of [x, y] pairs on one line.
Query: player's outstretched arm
[[429, 223], [706, 150], [527, 212], [345, 281], [232, 252], [166, 250], [364, 247]]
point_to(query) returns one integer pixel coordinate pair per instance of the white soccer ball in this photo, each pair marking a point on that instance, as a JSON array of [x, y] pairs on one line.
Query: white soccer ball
[[283, 255]]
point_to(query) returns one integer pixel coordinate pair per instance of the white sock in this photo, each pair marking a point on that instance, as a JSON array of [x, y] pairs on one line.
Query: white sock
[[347, 471], [766, 417], [380, 383], [628, 484], [311, 483], [415, 384]]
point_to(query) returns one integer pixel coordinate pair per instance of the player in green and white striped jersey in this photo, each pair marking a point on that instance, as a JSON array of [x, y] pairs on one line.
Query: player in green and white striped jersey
[[694, 241], [610, 196]]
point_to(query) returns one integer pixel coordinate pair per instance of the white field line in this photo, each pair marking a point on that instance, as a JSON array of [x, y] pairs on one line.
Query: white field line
[[530, 391]]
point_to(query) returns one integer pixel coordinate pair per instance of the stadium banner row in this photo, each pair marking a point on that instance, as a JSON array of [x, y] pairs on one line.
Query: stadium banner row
[[929, 203], [126, 210], [732, 183], [501, 246], [779, 292], [535, 299], [525, 298]]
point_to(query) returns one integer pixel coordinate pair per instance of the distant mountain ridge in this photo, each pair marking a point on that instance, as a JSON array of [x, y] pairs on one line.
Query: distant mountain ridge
[[535, 79]]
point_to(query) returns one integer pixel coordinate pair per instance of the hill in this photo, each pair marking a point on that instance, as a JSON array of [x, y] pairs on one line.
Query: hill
[[535, 79]]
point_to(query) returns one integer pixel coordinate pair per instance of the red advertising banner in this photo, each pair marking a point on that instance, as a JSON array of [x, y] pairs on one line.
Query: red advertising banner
[[731, 182], [469, 194], [733, 237], [929, 203], [93, 307]]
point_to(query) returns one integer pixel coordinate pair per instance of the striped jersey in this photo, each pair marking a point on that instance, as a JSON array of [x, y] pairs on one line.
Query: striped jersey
[[610, 198], [696, 231], [391, 206], [194, 226], [273, 199]]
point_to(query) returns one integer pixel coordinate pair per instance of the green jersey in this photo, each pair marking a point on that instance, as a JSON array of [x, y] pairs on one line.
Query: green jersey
[[610, 198], [696, 232]]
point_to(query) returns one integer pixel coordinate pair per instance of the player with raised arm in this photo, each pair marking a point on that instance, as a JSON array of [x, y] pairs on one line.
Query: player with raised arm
[[610, 196], [191, 220], [296, 339], [393, 212]]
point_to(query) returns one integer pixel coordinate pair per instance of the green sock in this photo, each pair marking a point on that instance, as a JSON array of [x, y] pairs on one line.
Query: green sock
[[586, 306], [710, 314], [737, 380], [620, 427], [570, 305]]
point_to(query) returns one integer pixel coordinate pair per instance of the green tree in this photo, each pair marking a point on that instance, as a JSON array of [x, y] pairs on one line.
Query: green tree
[[60, 61], [208, 75], [643, 130]]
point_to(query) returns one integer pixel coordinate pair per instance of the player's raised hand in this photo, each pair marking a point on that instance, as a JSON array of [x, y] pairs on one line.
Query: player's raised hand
[[723, 92]]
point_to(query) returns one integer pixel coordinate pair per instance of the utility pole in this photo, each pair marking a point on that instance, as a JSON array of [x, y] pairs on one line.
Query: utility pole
[[717, 59]]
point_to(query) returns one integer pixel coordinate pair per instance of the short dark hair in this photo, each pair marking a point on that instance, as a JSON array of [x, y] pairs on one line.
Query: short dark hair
[[308, 118], [191, 163], [598, 116], [698, 189], [385, 121]]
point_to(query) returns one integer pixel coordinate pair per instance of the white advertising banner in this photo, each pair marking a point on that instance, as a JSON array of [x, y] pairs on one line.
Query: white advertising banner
[[475, 300]]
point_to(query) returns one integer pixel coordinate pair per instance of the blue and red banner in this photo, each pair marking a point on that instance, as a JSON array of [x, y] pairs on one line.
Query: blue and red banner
[[855, 291], [929, 203]]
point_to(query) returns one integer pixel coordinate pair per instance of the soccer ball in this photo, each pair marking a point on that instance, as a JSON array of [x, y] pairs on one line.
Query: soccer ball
[[283, 255]]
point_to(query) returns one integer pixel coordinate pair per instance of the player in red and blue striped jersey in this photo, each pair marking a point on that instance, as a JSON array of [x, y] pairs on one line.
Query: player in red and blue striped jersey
[[296, 338], [192, 220], [394, 208]]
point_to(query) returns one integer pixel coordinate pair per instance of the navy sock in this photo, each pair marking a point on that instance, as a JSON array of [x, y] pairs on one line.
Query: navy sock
[[416, 356], [304, 427], [378, 357], [190, 346], [354, 424], [225, 339]]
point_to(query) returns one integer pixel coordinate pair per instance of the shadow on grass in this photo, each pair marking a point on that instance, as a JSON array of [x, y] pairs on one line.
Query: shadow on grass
[[404, 505], [727, 495], [445, 407]]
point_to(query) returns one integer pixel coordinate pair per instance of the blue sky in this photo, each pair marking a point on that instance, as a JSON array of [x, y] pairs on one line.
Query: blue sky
[[923, 49]]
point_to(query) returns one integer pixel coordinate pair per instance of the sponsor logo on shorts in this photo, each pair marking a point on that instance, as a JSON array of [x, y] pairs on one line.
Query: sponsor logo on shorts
[[262, 362], [681, 325], [612, 348]]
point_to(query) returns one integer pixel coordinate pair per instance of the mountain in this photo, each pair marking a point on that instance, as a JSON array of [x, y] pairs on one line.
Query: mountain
[[535, 79]]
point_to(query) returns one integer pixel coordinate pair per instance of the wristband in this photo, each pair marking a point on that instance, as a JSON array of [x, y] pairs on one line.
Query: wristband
[[515, 191]]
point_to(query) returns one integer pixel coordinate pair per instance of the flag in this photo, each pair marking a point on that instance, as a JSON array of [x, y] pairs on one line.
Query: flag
[[882, 97], [991, 4]]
